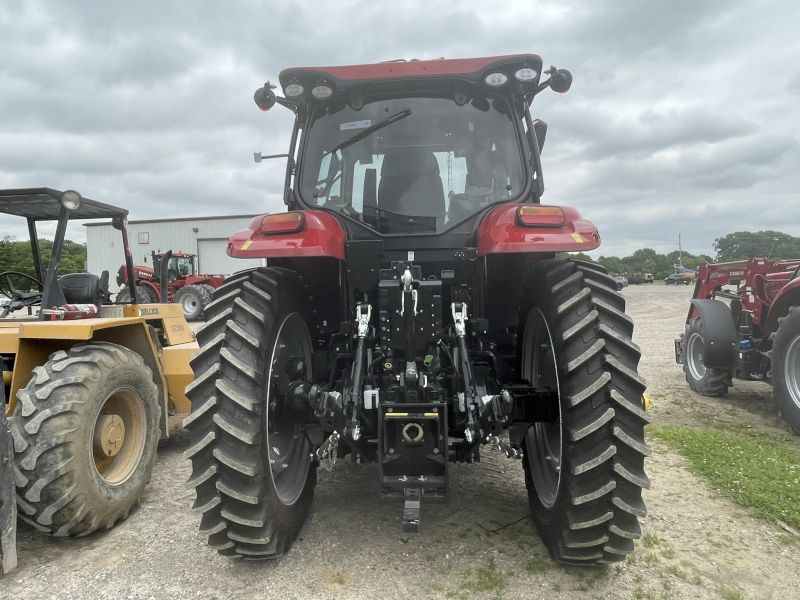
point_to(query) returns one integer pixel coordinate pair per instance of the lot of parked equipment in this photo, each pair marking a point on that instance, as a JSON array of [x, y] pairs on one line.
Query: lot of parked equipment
[[185, 286], [748, 330]]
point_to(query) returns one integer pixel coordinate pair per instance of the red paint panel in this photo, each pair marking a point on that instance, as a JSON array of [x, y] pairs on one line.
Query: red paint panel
[[415, 68], [322, 235], [500, 231], [788, 296]]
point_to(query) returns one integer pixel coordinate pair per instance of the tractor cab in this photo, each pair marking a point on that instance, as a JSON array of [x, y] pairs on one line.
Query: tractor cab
[[405, 148], [179, 265], [43, 286]]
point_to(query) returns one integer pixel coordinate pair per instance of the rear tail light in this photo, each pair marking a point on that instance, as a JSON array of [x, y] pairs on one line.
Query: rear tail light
[[540, 216], [281, 223]]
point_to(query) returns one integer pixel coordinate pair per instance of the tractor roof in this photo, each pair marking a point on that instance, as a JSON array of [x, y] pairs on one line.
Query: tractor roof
[[471, 70], [44, 204]]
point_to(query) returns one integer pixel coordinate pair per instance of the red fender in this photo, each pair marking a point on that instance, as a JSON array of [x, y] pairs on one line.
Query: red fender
[[321, 235], [501, 231], [788, 296]]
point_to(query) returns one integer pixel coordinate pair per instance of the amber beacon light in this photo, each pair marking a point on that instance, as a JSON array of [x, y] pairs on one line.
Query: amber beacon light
[[540, 216], [281, 223]]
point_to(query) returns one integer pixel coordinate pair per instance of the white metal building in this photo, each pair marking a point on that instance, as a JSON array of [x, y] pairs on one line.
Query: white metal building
[[205, 236]]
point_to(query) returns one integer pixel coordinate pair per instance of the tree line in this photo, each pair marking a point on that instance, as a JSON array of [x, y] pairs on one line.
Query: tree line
[[17, 256], [739, 245]]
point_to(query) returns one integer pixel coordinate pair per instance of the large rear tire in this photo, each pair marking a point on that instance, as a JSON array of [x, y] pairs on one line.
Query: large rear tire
[[585, 472], [786, 368], [85, 436], [193, 299], [703, 380], [252, 468], [144, 294]]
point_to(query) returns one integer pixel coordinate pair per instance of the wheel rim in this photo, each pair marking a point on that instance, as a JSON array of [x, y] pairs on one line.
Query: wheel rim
[[190, 304], [791, 370], [544, 441], [288, 447], [695, 348], [118, 436]]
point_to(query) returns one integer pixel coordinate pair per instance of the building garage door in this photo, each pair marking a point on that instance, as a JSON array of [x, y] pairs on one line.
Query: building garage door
[[212, 258]]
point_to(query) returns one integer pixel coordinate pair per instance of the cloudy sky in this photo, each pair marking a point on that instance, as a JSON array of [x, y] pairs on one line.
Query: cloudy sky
[[684, 115]]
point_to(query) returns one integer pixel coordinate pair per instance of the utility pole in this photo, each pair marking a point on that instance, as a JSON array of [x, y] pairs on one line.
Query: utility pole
[[680, 251]]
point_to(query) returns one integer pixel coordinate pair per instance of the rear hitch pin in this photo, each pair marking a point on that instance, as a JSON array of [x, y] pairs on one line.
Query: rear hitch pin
[[363, 319], [407, 280], [459, 318]]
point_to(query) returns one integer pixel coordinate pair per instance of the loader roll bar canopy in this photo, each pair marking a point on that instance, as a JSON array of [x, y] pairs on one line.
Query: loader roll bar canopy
[[46, 204]]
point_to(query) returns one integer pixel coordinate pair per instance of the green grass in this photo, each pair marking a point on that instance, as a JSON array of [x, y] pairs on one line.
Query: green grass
[[757, 470], [483, 579], [537, 565], [727, 593]]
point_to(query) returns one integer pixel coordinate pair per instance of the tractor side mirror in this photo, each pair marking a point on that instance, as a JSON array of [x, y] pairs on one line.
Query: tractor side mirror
[[561, 81], [540, 129], [264, 97]]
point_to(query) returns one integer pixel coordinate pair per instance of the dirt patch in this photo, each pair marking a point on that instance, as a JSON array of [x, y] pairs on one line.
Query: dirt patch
[[697, 545]]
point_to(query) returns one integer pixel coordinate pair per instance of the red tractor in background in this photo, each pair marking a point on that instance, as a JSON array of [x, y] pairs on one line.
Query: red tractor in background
[[415, 313], [755, 337], [184, 285]]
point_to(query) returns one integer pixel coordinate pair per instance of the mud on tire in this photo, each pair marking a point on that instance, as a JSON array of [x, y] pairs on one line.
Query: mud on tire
[[66, 484], [584, 474], [249, 508], [701, 379]]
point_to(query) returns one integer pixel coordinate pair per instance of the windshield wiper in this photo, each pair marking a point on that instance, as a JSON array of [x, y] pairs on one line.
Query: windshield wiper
[[370, 130]]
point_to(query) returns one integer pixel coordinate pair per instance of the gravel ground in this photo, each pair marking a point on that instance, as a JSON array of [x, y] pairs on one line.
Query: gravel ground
[[481, 545]]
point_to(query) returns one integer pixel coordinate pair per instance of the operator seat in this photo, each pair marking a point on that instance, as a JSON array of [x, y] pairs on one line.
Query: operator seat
[[410, 184], [81, 288]]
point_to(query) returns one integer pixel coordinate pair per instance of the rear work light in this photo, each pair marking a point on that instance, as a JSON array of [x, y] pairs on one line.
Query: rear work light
[[293, 90], [320, 92], [541, 216], [495, 79], [281, 223]]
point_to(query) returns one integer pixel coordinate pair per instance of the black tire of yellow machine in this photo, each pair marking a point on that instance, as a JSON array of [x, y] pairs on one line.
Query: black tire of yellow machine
[[252, 469], [8, 503], [584, 473], [68, 482]]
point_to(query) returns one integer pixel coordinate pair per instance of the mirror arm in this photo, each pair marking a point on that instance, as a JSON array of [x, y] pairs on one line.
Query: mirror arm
[[292, 106]]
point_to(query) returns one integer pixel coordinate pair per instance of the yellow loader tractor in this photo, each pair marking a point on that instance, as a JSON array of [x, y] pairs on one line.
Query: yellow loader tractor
[[87, 385]]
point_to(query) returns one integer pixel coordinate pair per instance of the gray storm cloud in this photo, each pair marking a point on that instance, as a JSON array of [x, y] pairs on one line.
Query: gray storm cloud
[[683, 117]]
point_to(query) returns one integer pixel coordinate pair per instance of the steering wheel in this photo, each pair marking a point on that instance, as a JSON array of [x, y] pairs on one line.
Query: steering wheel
[[14, 291], [18, 299]]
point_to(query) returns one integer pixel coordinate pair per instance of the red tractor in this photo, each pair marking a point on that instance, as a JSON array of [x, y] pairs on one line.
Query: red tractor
[[416, 313], [184, 284], [755, 336]]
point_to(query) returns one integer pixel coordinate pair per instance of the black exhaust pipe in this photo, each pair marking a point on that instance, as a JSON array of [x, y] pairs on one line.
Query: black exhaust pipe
[[163, 275]]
